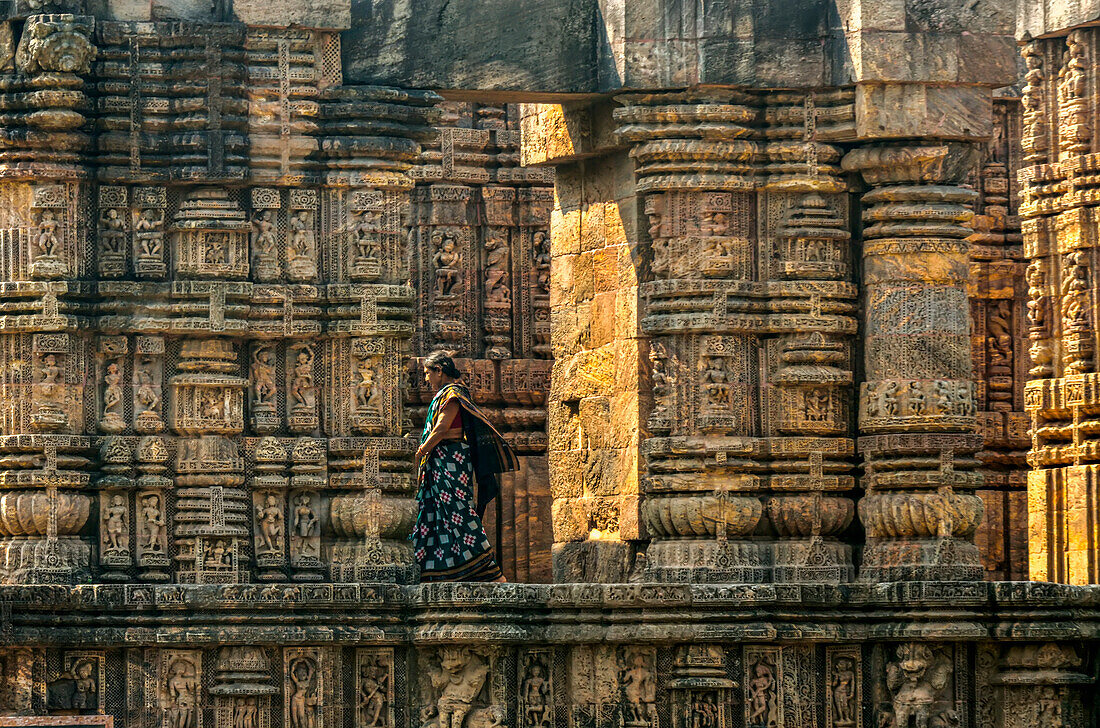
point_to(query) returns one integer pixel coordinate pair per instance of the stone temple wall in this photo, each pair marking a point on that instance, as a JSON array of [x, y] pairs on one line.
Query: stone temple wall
[[773, 342]]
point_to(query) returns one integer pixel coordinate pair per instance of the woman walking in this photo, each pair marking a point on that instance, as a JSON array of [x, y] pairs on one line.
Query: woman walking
[[457, 447]]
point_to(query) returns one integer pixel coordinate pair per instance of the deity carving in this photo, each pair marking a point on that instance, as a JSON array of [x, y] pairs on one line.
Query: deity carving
[[374, 699], [498, 288], [535, 693], [448, 263], [112, 420], [451, 685], [843, 693], [180, 696], [265, 246], [1073, 128], [1076, 312], [152, 532], [49, 393], [639, 688], [269, 522], [112, 230], [76, 688], [303, 388], [305, 526], [246, 712], [301, 249], [46, 244], [541, 244], [368, 398], [147, 399], [1034, 142], [1038, 326], [115, 525], [761, 694], [149, 242], [917, 679], [305, 701]]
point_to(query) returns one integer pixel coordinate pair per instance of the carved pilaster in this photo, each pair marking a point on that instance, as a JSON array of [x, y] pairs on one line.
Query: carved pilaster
[[1060, 241], [917, 415]]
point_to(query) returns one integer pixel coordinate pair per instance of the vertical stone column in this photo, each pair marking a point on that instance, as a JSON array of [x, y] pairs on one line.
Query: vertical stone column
[[51, 405], [1061, 241], [599, 384], [916, 406]]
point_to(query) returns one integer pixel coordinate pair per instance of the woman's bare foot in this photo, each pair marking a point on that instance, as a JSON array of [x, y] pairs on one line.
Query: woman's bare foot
[[501, 580]]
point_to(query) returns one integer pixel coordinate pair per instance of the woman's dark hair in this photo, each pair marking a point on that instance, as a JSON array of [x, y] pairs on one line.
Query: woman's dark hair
[[445, 364]]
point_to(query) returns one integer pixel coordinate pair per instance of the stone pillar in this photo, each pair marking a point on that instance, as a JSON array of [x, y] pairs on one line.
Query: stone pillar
[[595, 409], [52, 400], [1060, 240], [916, 406]]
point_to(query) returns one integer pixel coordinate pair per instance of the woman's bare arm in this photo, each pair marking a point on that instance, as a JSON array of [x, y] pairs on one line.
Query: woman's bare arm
[[450, 412]]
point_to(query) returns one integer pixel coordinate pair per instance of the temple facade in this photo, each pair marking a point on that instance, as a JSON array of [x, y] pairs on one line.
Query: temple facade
[[788, 308]]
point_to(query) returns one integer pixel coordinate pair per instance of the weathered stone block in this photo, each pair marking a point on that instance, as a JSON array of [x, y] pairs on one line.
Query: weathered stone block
[[885, 111], [592, 561], [320, 14]]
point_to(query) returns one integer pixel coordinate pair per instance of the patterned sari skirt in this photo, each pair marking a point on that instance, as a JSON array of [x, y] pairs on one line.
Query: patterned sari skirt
[[449, 539]]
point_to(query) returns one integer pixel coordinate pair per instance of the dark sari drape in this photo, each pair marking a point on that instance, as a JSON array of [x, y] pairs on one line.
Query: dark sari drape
[[449, 539]]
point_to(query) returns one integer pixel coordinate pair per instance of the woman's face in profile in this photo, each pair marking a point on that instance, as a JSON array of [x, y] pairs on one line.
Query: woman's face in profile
[[434, 377]]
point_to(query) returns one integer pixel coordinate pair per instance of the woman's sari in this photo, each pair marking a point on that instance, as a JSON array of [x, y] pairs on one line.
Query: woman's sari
[[449, 539]]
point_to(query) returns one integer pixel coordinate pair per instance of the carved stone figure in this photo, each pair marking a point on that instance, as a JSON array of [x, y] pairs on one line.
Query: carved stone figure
[[373, 692], [497, 279], [181, 695], [46, 241], [639, 691], [844, 693], [302, 388], [305, 523], [112, 231], [269, 517], [448, 262], [149, 231], [112, 420], [303, 700], [536, 695], [301, 249], [456, 682], [115, 522], [915, 679], [263, 376], [367, 395], [152, 522], [761, 695]]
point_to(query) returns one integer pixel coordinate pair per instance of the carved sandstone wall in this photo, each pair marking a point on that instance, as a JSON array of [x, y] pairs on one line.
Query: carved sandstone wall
[[1059, 226], [998, 296]]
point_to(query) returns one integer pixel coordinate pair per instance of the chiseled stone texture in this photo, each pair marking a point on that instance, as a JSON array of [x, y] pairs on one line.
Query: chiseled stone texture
[[1001, 654], [1060, 232]]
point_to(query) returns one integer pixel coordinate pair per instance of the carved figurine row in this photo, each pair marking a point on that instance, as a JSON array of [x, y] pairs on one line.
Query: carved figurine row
[[922, 685]]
